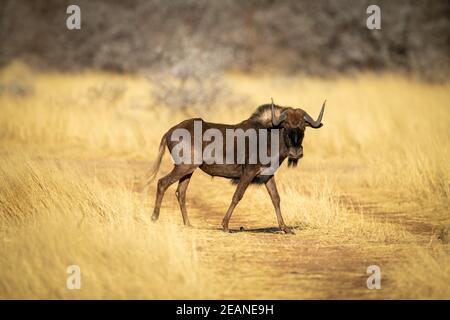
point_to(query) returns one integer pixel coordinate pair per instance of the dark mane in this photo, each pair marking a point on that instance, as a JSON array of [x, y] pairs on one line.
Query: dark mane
[[263, 114]]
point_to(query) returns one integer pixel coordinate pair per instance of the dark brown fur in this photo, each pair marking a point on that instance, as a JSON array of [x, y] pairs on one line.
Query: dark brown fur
[[290, 145]]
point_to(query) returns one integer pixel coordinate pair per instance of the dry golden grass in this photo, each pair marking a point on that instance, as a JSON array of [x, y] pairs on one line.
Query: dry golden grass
[[372, 187], [54, 215], [424, 273]]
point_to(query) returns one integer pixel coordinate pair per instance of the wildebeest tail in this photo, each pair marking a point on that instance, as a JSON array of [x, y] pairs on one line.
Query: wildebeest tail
[[151, 174]]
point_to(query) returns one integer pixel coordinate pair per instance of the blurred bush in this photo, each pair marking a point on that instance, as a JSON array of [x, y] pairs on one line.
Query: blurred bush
[[190, 78], [18, 81], [317, 37]]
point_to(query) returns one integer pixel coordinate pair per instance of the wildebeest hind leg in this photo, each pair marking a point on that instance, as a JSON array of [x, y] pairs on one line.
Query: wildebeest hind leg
[[178, 172], [181, 196]]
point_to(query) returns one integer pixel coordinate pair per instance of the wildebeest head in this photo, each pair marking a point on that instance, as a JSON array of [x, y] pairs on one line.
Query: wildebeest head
[[294, 123]]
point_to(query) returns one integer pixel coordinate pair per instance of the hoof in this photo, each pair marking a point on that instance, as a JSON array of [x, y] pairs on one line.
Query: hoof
[[154, 218], [287, 230]]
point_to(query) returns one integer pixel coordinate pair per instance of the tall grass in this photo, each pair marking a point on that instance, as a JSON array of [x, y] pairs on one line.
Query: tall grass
[[424, 274], [53, 216]]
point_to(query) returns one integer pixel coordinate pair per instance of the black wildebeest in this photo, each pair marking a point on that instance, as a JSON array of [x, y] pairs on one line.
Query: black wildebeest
[[290, 124]]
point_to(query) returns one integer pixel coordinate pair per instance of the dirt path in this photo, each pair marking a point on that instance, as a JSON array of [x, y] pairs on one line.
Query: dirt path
[[261, 262]]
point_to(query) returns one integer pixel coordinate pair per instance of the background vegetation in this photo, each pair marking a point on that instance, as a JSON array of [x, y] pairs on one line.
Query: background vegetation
[[319, 37]]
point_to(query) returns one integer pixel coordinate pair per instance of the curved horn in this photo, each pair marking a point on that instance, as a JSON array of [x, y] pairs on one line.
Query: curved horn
[[315, 123], [276, 122]]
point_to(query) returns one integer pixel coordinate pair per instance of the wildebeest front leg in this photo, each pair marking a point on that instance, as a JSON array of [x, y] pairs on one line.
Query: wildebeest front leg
[[244, 182], [273, 192], [181, 196]]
